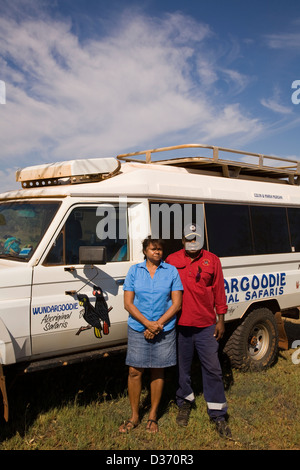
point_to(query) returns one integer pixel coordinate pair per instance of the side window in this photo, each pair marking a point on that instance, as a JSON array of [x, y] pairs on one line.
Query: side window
[[294, 224], [270, 230], [168, 220], [231, 229], [102, 225], [228, 229], [241, 230]]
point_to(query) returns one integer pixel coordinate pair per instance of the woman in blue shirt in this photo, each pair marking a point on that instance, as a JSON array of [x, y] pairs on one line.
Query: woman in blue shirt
[[152, 297]]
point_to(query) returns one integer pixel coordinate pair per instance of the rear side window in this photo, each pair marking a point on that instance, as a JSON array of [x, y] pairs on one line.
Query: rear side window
[[294, 225], [229, 229], [241, 230], [270, 230]]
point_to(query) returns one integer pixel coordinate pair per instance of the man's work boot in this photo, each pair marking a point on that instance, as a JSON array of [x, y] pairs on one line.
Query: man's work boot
[[223, 428], [184, 414]]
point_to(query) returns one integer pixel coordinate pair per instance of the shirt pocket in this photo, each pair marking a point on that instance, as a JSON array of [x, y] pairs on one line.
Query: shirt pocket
[[206, 278]]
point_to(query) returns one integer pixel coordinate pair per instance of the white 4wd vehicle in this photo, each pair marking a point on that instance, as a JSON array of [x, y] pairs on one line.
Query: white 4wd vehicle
[[76, 227]]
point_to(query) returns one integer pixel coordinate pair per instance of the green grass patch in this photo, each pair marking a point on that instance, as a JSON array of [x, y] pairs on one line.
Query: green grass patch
[[80, 407]]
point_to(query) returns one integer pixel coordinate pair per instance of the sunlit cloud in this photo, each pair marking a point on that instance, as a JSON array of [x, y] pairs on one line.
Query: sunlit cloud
[[274, 103], [142, 84], [284, 41]]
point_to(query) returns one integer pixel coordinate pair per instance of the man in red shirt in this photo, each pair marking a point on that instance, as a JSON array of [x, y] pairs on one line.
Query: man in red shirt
[[200, 326]]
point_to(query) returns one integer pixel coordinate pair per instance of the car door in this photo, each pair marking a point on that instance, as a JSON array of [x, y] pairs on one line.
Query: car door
[[57, 321]]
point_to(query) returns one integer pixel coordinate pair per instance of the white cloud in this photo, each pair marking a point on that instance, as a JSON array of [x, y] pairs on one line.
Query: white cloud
[[284, 41], [236, 80], [231, 121], [274, 104], [98, 97], [8, 180]]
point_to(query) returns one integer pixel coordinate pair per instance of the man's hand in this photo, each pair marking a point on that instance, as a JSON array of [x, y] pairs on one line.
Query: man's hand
[[220, 328]]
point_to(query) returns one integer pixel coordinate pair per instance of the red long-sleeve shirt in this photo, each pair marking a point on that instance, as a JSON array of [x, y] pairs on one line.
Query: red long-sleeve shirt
[[203, 283]]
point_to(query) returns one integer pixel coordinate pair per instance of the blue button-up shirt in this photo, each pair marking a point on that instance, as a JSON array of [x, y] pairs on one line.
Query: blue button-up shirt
[[152, 296]]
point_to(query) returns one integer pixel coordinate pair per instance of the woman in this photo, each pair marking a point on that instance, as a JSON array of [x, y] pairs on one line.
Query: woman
[[152, 296]]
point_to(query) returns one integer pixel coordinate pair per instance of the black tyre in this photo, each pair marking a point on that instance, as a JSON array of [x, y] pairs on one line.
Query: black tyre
[[254, 343]]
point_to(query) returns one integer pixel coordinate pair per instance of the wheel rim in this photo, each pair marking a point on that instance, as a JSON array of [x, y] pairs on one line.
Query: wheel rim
[[258, 342]]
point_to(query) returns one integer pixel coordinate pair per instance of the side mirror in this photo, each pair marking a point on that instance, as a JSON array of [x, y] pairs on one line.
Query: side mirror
[[92, 255]]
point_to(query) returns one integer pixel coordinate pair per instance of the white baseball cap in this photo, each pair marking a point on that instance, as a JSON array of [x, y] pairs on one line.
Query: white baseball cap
[[191, 231]]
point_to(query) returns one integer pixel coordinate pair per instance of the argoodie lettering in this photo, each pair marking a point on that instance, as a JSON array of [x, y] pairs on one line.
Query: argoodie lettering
[[254, 287]]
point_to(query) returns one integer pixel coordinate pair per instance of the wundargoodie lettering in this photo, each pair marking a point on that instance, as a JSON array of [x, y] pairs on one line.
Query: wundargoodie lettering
[[54, 308]]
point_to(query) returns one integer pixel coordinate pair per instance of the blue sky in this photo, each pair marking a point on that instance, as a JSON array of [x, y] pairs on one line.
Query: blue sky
[[94, 78]]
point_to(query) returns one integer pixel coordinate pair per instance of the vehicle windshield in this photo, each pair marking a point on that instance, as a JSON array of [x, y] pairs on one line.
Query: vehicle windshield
[[22, 226]]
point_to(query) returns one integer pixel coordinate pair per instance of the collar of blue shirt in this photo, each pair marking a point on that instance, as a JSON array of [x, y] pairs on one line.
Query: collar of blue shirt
[[143, 265]]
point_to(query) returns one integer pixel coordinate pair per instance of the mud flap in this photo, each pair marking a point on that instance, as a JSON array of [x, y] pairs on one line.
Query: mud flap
[[4, 394], [283, 342]]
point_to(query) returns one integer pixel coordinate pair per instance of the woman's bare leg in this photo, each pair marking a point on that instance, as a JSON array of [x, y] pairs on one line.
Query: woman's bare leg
[[134, 393], [157, 385]]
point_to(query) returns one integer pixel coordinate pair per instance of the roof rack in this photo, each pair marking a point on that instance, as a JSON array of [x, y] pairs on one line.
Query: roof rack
[[289, 172]]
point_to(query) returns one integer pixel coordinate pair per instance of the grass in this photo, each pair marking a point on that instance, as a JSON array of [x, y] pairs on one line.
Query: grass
[[81, 407]]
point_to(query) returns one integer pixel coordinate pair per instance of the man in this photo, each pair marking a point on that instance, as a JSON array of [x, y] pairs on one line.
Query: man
[[200, 326]]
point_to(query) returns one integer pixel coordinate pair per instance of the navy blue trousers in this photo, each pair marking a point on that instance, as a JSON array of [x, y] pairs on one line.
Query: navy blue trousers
[[203, 341]]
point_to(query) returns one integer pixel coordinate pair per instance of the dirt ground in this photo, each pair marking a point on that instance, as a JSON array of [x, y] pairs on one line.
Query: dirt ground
[[292, 328]]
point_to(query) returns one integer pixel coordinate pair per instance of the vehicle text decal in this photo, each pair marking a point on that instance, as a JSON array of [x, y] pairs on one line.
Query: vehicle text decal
[[55, 308], [241, 289]]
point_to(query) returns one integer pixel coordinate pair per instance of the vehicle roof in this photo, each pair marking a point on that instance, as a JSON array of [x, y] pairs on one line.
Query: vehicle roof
[[160, 181], [197, 177]]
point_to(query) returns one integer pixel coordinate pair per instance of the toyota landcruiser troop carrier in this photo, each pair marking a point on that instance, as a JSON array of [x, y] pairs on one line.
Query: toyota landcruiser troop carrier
[[69, 236]]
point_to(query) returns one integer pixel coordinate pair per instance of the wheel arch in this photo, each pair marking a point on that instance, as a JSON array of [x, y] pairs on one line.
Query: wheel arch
[[271, 304], [7, 351]]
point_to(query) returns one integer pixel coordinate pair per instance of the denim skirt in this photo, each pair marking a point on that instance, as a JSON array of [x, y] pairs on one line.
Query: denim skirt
[[158, 352]]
